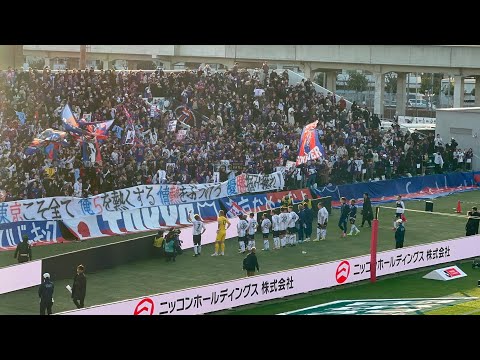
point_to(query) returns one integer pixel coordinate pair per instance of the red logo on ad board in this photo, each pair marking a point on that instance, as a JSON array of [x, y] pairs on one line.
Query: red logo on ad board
[[144, 307], [452, 272], [343, 270]]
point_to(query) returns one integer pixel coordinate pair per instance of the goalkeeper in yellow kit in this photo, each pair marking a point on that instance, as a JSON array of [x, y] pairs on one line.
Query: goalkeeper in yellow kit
[[223, 225]]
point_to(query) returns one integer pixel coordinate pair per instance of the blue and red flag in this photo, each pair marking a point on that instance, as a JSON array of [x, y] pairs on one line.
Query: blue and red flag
[[49, 141], [100, 129], [310, 147], [235, 210], [97, 130], [50, 151], [68, 119], [98, 155], [85, 156], [185, 115], [70, 123]]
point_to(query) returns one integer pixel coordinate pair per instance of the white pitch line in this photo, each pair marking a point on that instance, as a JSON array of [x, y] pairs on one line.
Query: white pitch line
[[470, 312], [432, 212]]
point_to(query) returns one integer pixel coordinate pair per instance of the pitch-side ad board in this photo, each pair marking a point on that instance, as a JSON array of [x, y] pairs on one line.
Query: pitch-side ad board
[[220, 296]]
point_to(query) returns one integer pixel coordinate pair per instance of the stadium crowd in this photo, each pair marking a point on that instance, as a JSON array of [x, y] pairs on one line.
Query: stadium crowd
[[251, 118]]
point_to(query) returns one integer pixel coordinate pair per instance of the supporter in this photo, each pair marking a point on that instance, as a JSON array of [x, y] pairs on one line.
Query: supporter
[[468, 159], [438, 143]]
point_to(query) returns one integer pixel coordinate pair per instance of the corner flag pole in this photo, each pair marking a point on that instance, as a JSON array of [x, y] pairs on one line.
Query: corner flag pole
[[373, 248]]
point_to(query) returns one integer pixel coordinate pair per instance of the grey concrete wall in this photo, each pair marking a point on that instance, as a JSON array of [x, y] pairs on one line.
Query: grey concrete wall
[[166, 50], [266, 52], [7, 56], [455, 57], [216, 51], [464, 118]]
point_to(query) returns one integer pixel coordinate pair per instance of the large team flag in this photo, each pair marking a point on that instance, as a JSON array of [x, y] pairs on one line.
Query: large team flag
[[70, 123], [97, 129], [43, 141], [310, 147]]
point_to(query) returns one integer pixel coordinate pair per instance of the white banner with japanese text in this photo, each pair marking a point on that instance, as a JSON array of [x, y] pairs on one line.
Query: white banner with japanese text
[[67, 207]]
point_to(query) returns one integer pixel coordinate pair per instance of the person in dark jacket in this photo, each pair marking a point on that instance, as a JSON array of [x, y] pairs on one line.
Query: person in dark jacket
[[250, 263], [45, 293], [399, 234], [352, 218], [301, 223], [23, 252], [308, 220], [344, 213], [367, 212], [79, 288], [476, 221], [470, 226]]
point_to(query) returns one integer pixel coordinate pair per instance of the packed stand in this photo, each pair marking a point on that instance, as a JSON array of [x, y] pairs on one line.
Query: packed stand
[[251, 118]]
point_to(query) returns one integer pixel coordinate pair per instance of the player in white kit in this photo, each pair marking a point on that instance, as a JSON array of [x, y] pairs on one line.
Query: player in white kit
[[242, 227], [283, 217], [292, 226], [265, 225], [322, 220], [198, 229], [252, 229], [275, 228]]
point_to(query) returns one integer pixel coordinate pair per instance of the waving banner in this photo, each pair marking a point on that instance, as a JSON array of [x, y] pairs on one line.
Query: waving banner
[[37, 232], [67, 207], [144, 219], [261, 202], [310, 147]]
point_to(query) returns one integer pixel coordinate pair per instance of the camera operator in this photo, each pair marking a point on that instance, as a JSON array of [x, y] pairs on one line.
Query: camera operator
[[178, 242], [169, 246], [172, 244]]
